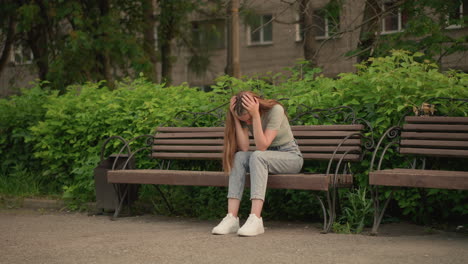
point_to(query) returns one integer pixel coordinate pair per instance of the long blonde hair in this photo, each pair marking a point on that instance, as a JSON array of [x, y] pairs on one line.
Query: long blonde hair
[[230, 140]]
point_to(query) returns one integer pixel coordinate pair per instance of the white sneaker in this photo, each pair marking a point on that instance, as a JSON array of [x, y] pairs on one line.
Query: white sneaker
[[229, 224], [252, 227]]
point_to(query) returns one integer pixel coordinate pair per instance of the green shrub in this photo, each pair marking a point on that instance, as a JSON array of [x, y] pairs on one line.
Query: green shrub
[[19, 169], [76, 124], [60, 136]]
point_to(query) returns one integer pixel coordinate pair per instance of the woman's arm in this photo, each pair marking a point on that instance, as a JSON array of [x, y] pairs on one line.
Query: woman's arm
[[242, 133], [242, 136], [262, 138]]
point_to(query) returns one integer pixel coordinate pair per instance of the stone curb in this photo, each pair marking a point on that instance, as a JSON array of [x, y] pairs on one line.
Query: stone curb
[[43, 204]]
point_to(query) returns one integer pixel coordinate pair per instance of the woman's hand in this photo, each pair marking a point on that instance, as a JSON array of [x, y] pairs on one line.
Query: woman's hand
[[232, 104], [251, 105]]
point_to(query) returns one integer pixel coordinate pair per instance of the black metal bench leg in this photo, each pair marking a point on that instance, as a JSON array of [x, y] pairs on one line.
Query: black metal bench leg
[[325, 215], [331, 198], [120, 200], [378, 213], [328, 214], [168, 205]]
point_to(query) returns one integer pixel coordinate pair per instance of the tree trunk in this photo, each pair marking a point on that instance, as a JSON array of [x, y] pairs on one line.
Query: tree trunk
[[307, 22], [166, 35], [38, 41], [149, 41], [367, 41], [8, 44], [233, 56], [228, 69], [166, 63], [106, 68]]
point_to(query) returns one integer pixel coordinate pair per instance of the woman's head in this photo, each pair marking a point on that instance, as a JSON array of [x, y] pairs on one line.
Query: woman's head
[[242, 114], [239, 110]]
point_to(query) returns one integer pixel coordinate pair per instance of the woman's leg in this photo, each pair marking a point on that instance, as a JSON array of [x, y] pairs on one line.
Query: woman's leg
[[230, 223], [233, 206], [257, 205], [237, 181], [263, 162]]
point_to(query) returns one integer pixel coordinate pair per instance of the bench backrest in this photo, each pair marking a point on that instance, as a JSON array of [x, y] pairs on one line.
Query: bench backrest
[[316, 142], [435, 136]]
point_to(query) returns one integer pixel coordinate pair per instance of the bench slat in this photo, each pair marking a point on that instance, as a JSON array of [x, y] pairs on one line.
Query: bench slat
[[443, 128], [328, 128], [304, 149], [303, 181], [190, 129], [319, 156], [297, 134], [435, 143], [443, 136], [188, 142], [293, 128], [218, 156], [436, 119], [194, 156], [435, 152], [190, 148], [191, 135], [331, 142], [420, 178], [324, 134], [302, 142]]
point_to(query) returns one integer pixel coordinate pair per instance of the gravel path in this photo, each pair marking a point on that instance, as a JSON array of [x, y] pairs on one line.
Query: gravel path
[[29, 236]]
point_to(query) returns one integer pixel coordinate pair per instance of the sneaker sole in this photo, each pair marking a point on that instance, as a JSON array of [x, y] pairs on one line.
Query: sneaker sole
[[244, 235]]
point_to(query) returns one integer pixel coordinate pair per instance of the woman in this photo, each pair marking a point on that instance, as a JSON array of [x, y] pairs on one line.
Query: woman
[[276, 152]]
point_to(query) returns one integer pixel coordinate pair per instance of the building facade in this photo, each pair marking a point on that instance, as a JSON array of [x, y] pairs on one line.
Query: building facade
[[271, 40], [276, 42]]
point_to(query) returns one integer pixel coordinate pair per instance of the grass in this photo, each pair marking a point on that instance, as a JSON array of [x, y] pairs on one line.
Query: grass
[[21, 182]]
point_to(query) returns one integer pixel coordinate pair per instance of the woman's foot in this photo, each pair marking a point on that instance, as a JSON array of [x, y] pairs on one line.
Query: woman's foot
[[229, 224], [252, 227]]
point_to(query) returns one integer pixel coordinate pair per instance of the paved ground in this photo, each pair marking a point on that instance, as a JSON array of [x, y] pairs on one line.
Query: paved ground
[[38, 236]]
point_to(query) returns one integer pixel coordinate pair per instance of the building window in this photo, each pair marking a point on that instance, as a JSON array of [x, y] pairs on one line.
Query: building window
[[394, 19], [326, 23], [21, 55], [455, 16], [210, 34], [260, 30]]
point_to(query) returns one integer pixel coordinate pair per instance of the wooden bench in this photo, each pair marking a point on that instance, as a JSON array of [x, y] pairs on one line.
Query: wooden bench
[[421, 137], [335, 144]]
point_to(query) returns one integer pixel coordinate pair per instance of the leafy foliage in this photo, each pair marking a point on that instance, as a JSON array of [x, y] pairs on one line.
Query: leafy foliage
[[425, 28], [59, 137], [356, 214]]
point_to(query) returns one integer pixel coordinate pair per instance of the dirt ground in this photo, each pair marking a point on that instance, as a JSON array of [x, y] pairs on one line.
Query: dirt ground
[[39, 236]]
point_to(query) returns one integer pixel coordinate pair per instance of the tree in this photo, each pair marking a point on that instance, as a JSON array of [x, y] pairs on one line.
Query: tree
[[77, 41], [307, 24], [10, 26], [172, 15], [149, 41], [423, 26]]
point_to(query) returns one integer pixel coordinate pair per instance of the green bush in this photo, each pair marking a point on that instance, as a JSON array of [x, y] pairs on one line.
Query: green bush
[[69, 139], [19, 169], [60, 136]]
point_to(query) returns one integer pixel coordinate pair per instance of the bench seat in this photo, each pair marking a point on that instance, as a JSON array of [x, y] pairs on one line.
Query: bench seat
[[442, 179], [302, 181]]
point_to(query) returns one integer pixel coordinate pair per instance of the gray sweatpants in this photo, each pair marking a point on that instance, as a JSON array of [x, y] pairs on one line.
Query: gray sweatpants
[[286, 158]]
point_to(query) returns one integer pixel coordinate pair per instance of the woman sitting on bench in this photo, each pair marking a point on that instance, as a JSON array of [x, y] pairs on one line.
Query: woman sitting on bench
[[276, 152]]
